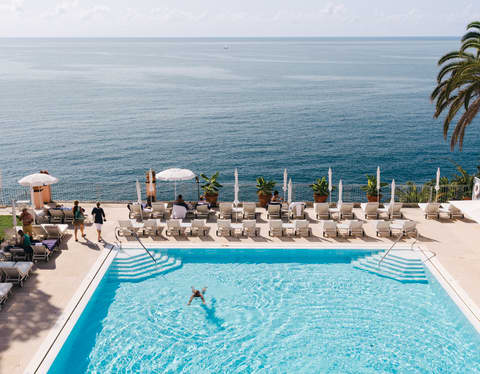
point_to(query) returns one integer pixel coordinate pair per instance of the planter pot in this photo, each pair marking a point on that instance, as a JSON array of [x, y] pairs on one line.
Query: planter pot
[[319, 198], [467, 198], [212, 198], [264, 199], [374, 199]]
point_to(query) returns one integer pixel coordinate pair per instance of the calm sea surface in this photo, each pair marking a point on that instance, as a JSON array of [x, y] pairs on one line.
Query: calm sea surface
[[105, 110]]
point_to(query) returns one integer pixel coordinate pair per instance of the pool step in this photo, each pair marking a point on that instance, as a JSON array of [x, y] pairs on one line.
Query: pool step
[[138, 266], [402, 266]]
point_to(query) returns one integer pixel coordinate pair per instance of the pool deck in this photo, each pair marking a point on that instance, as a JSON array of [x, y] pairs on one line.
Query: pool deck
[[32, 311]]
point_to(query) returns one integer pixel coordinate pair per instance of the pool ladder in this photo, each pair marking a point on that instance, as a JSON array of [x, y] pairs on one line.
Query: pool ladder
[[134, 234]]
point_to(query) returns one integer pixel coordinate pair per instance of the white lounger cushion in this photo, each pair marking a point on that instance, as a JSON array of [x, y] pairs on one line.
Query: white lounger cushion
[[5, 289]]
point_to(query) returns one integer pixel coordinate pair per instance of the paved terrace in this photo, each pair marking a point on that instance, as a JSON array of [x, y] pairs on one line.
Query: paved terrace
[[31, 311]]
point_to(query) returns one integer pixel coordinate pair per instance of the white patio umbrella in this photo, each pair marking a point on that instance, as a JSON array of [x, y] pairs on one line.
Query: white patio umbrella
[[290, 187], [437, 185], [378, 183], [37, 180], [285, 177], [392, 195], [139, 197], [330, 183], [340, 192], [175, 175], [236, 188]]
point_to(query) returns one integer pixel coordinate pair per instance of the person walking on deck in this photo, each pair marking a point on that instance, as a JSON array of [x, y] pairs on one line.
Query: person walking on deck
[[78, 218], [27, 220], [98, 218]]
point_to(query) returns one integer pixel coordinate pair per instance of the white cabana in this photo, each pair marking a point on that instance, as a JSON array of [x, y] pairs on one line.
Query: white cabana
[[340, 192], [236, 188], [37, 180], [290, 188], [175, 175], [285, 176], [470, 208]]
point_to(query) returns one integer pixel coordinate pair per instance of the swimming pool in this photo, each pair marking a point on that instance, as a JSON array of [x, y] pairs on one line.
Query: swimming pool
[[270, 311]]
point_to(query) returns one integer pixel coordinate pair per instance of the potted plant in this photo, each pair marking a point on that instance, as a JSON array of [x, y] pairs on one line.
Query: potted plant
[[211, 188], [373, 195], [320, 190], [264, 190], [464, 181]]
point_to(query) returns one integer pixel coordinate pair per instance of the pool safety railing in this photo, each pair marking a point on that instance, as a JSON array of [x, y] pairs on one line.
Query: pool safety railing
[[134, 234], [391, 247]]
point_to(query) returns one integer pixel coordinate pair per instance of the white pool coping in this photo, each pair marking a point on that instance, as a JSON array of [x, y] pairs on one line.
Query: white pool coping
[[52, 345]]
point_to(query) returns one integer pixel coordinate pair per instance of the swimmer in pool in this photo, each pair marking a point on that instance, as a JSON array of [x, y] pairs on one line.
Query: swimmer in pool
[[197, 293]]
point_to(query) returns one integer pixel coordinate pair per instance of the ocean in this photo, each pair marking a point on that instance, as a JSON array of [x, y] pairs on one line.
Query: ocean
[[103, 111]]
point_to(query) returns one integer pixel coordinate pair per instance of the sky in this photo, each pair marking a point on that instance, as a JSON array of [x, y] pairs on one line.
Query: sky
[[240, 18]]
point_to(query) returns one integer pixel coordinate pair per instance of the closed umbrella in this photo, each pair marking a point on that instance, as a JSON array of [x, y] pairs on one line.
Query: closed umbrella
[[139, 197], [150, 178], [290, 191], [330, 183], [437, 185], [378, 183], [285, 176], [236, 188], [340, 187], [392, 195], [175, 175]]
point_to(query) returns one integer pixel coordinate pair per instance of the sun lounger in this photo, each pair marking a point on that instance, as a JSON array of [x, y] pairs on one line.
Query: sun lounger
[[345, 211], [249, 211], [150, 227], [159, 210], [355, 228], [224, 227], [55, 231], [56, 216], [16, 272], [274, 211], [126, 228], [250, 228], [275, 227], [39, 232], [403, 226], [225, 211], [321, 211], [136, 212], [451, 211], [199, 226], [5, 289], [179, 212], [382, 228], [285, 209], [174, 227], [202, 211], [329, 228], [40, 252], [301, 228], [68, 216], [370, 210], [430, 210], [393, 211], [297, 210]]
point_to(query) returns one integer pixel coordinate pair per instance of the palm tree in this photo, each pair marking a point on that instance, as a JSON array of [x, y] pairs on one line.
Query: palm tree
[[459, 85]]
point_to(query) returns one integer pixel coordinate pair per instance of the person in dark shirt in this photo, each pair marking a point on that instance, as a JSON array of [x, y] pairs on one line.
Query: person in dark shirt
[[26, 244], [98, 217], [181, 202]]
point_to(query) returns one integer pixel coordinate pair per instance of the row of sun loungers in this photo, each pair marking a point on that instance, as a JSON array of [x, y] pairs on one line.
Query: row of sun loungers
[[12, 273], [434, 210]]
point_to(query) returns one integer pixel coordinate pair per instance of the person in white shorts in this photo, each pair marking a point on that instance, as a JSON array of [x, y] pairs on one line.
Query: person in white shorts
[[98, 217]]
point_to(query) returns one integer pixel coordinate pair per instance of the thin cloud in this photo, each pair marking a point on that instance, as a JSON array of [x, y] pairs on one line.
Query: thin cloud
[[12, 6], [95, 12]]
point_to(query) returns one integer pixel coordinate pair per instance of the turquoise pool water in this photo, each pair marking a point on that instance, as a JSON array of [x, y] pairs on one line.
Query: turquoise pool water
[[270, 311]]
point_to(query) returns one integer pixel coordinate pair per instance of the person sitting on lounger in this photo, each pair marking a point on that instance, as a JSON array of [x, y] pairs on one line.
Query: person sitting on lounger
[[181, 202], [276, 199], [26, 244], [197, 293]]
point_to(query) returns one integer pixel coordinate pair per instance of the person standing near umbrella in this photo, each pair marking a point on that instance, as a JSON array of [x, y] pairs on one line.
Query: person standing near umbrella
[[27, 221], [99, 218], [78, 218]]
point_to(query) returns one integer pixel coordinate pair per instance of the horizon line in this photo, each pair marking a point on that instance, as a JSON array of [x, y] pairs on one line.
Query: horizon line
[[235, 37]]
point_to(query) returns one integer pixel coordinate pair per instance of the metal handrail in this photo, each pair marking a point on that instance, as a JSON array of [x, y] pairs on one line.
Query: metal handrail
[[389, 249], [134, 234]]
